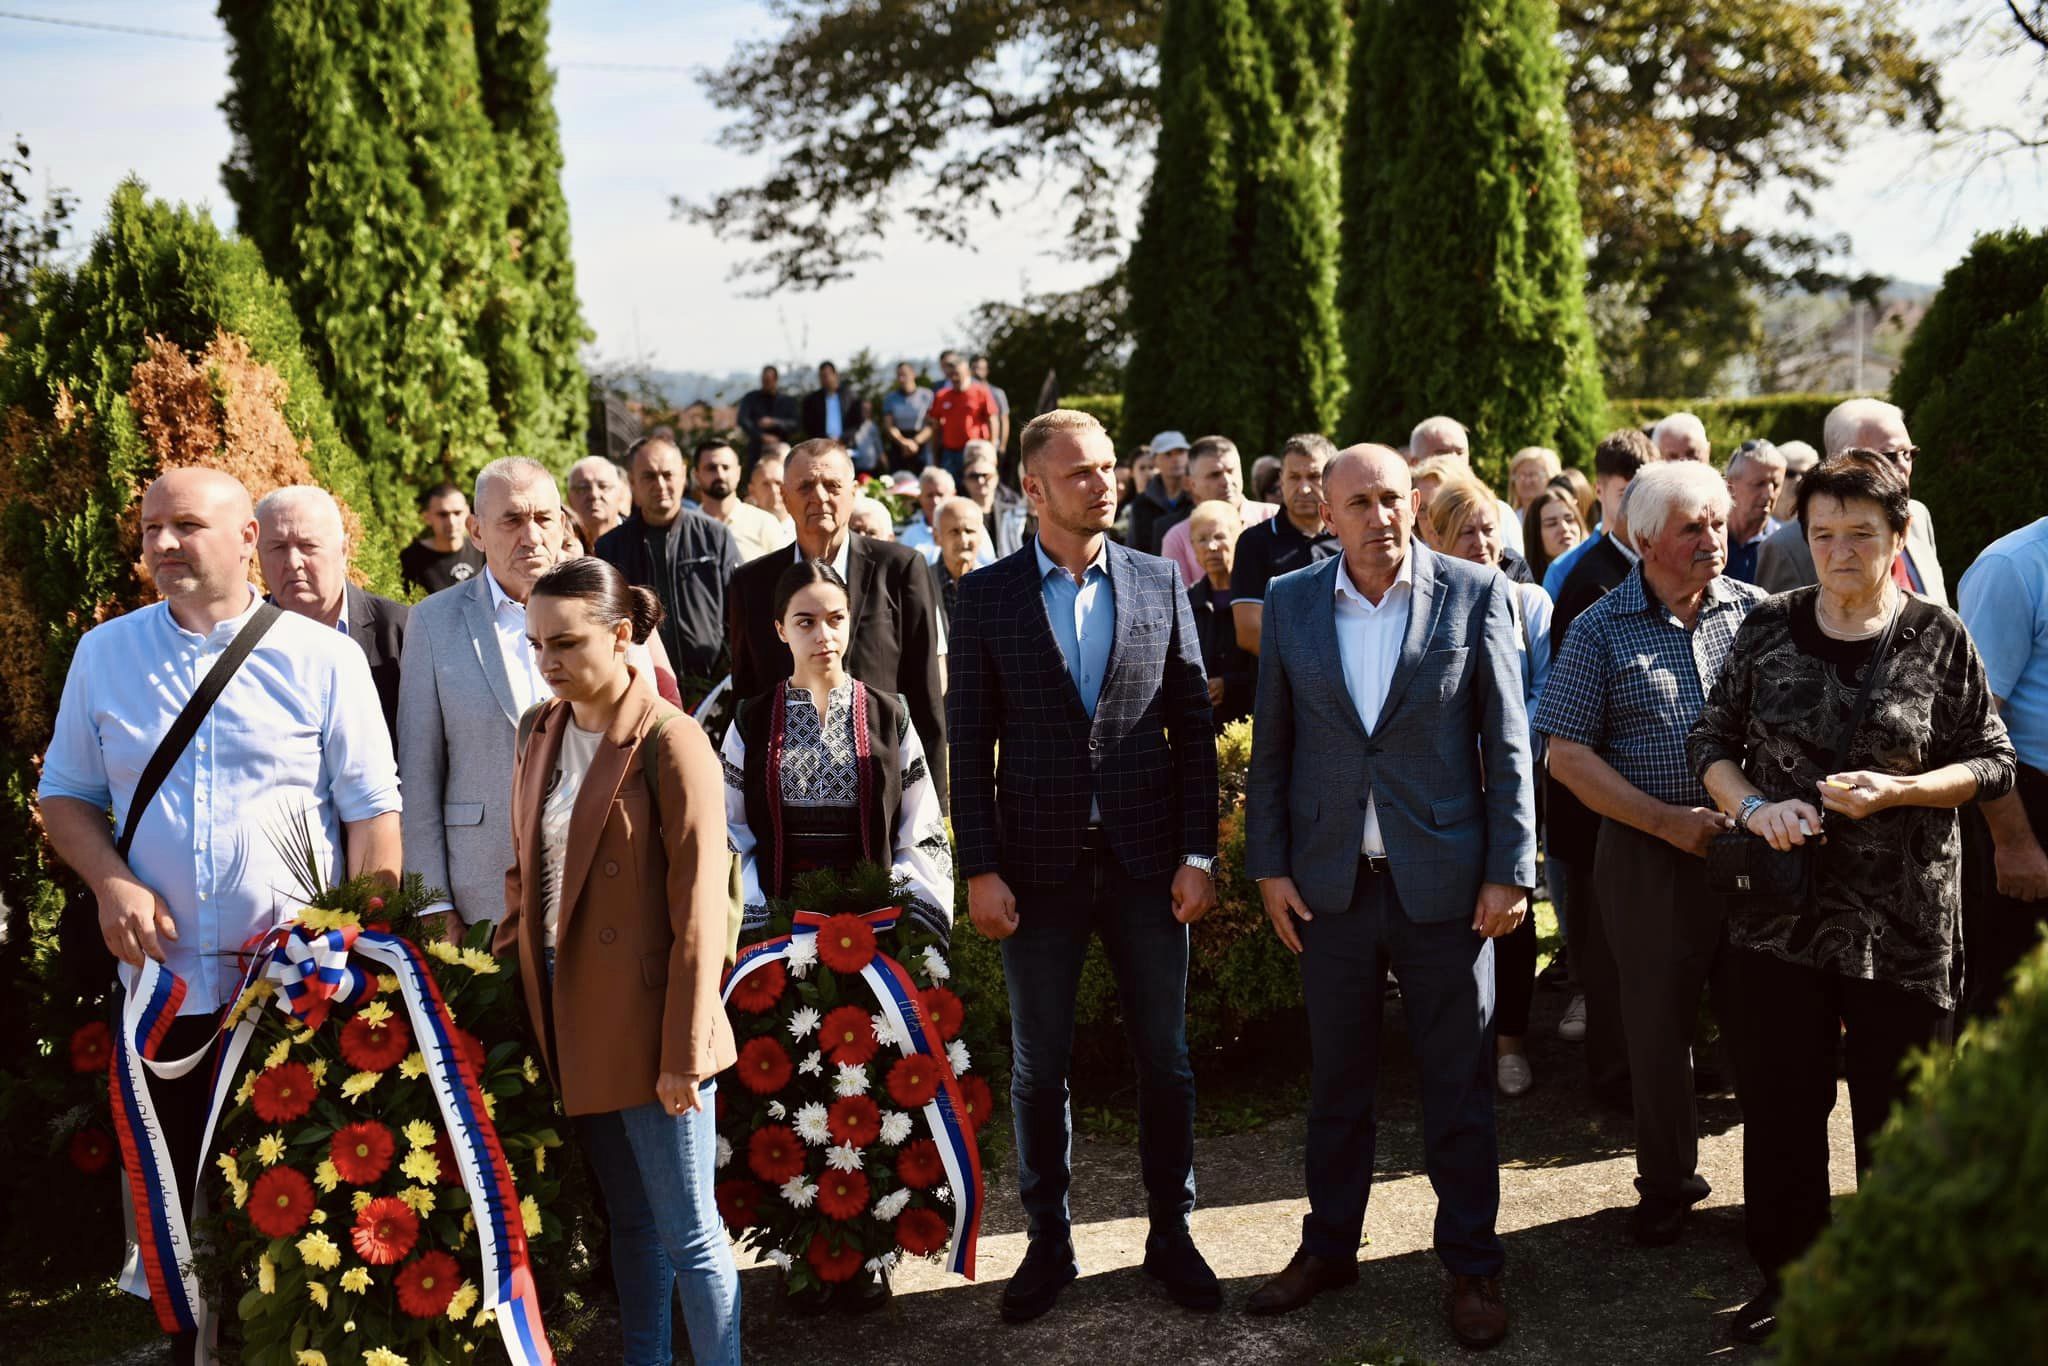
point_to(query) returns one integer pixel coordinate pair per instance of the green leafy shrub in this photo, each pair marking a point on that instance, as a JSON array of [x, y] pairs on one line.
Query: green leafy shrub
[[1732, 421], [1108, 409], [1942, 1254], [1970, 384]]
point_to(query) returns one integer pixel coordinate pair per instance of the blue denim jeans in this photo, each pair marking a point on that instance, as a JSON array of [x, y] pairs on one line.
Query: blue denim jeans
[[1148, 953]]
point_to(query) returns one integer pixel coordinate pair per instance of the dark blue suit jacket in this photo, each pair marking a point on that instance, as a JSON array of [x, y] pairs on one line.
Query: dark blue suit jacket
[[1026, 757]]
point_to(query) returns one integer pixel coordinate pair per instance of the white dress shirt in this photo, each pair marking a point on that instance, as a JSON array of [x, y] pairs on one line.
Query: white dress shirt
[[1369, 643], [508, 619], [297, 734]]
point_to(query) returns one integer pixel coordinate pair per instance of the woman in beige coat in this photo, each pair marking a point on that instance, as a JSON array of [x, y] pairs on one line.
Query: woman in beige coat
[[617, 904]]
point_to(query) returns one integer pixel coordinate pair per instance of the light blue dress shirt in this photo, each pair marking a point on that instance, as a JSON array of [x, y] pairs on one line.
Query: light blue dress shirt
[[1083, 617], [835, 424], [1554, 577], [298, 732], [2003, 599]]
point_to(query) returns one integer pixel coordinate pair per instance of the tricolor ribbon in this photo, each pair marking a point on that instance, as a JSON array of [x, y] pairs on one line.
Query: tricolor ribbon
[[945, 1115], [314, 973]]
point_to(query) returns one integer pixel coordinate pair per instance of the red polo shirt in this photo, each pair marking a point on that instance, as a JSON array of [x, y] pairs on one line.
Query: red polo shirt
[[964, 415]]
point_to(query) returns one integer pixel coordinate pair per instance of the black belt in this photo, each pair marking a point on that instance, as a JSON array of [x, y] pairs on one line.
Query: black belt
[[1374, 863]]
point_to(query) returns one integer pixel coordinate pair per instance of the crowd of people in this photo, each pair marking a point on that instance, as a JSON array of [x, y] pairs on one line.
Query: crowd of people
[[1725, 719]]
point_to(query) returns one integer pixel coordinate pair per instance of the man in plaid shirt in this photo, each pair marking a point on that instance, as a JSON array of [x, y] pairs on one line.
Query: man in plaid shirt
[[1622, 695]]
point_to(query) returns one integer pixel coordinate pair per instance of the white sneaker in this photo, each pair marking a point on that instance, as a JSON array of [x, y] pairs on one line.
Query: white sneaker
[[1512, 1074], [1572, 1027]]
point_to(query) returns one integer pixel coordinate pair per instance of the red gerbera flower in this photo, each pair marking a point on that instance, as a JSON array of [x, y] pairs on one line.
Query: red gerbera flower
[[841, 1195], [845, 943], [471, 1048], [775, 1154], [280, 1202], [855, 1121], [944, 1010], [426, 1286], [282, 1093], [385, 1230], [764, 1068], [918, 1165], [739, 1203], [833, 1266], [91, 1045], [760, 989], [974, 1094], [920, 1232], [91, 1150], [914, 1080], [372, 1048], [848, 1035], [362, 1152]]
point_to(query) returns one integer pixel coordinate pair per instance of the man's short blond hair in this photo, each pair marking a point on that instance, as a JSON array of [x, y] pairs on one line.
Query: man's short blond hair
[[1046, 428]]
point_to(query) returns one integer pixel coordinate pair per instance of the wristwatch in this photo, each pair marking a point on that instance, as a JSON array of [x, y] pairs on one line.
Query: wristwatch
[[1201, 863], [1750, 806]]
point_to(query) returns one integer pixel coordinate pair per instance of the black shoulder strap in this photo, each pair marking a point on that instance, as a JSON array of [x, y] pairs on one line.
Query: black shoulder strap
[[172, 746], [1877, 660]]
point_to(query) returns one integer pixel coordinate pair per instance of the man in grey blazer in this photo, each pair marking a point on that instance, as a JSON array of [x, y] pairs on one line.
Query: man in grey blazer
[[467, 676], [1391, 824], [1785, 561]]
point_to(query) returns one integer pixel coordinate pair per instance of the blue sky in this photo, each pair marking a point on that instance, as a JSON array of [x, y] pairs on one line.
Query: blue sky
[[95, 106]]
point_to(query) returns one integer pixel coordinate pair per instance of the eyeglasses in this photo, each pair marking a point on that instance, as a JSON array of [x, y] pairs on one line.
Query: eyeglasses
[[1905, 455]]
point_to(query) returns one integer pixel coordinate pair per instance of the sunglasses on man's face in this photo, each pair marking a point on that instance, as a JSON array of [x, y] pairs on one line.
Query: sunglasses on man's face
[[1905, 455]]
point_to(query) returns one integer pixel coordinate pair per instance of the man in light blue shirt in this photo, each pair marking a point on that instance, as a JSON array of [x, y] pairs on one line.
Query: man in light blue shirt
[[1615, 464]]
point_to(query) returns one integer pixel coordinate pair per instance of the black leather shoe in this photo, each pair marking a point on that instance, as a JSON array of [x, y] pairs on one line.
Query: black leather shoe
[[1757, 1320], [1657, 1223], [1173, 1260], [1306, 1277], [1048, 1268]]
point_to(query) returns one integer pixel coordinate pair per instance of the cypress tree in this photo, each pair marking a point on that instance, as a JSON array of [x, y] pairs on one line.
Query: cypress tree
[[1233, 277], [1464, 259], [367, 171]]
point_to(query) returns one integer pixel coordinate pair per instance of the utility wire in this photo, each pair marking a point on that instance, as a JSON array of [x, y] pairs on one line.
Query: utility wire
[[215, 40]]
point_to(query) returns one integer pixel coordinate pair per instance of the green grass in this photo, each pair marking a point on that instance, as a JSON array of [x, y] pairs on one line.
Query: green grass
[[77, 1325]]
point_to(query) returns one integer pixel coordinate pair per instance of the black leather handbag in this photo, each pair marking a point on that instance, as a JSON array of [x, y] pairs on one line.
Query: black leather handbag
[[1755, 879]]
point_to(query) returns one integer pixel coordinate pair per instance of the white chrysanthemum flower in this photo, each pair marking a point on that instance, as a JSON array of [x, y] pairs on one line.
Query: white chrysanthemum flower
[[801, 956], [803, 1023], [957, 1057], [813, 1064], [896, 1127], [799, 1192], [891, 1205], [724, 1150], [887, 1032], [935, 965], [779, 1257], [811, 1126], [943, 1193], [852, 1081], [843, 1157], [777, 1110]]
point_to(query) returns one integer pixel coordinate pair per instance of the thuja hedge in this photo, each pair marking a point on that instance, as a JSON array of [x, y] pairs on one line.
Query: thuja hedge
[[1942, 1255], [1730, 421]]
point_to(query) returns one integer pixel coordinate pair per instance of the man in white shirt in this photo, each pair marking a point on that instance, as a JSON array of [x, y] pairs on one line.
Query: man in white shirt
[[934, 486], [468, 674], [754, 530], [295, 736]]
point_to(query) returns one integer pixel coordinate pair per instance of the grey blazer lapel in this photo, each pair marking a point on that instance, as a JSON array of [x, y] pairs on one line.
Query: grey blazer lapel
[[1322, 629], [483, 638], [1423, 604]]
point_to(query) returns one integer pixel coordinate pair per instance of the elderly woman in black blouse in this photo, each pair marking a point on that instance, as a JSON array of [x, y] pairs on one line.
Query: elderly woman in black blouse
[[1874, 948]]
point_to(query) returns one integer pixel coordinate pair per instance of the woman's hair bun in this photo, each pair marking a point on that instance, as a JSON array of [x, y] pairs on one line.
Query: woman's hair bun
[[646, 614]]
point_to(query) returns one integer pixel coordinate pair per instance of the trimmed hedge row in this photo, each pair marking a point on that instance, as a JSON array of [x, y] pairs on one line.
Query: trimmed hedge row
[[1732, 421]]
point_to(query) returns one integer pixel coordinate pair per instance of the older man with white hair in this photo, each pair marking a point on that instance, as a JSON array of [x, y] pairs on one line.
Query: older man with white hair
[[935, 484], [1785, 562], [598, 498], [870, 517], [468, 675], [302, 545], [1447, 437], [1622, 696], [1754, 475], [1682, 436]]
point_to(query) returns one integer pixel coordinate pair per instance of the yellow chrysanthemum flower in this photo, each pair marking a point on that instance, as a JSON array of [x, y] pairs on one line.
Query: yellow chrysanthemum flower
[[359, 1199], [464, 1301], [540, 1157], [318, 1216], [303, 1038], [318, 1067], [377, 1014], [418, 1133], [490, 1105], [317, 1292], [444, 951], [266, 1275], [240, 1189], [383, 1356], [529, 1069], [270, 1149], [356, 1280], [422, 1166], [479, 962], [529, 1214], [325, 1177], [360, 1085], [386, 982], [468, 1221], [310, 1357], [281, 1051], [246, 1089], [318, 920], [483, 1318], [319, 1251], [419, 1198], [412, 1067], [228, 1167]]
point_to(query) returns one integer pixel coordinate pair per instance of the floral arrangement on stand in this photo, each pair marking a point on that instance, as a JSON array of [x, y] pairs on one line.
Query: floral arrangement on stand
[[344, 1227], [847, 1128]]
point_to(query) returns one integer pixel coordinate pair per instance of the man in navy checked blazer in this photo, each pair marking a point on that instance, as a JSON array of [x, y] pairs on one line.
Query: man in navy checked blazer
[[1084, 802]]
